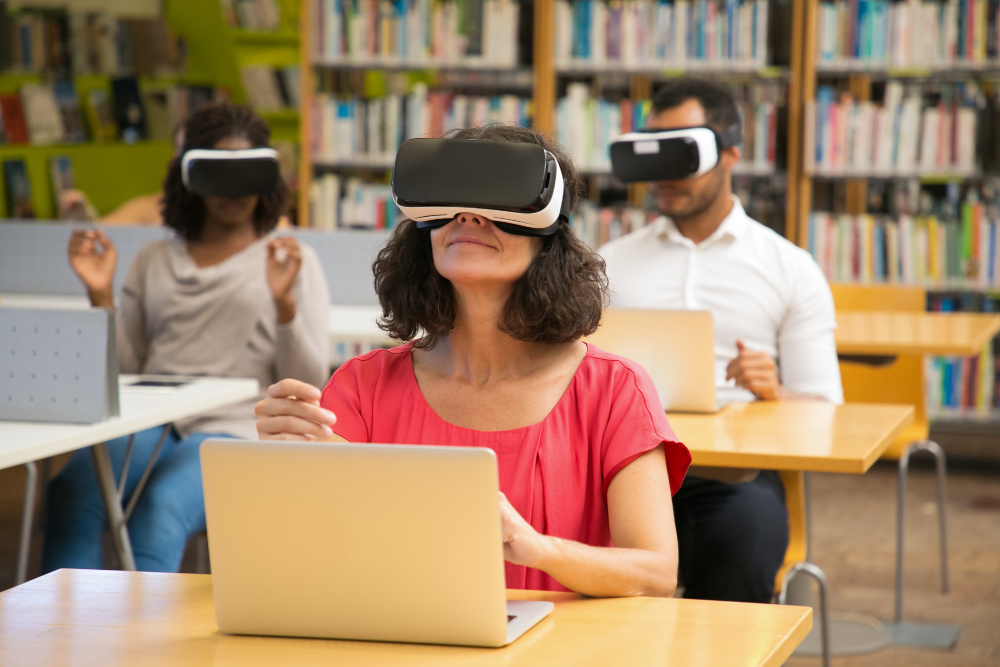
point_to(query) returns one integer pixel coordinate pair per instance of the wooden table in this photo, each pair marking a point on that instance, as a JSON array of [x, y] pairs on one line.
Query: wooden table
[[902, 333], [107, 618], [795, 437]]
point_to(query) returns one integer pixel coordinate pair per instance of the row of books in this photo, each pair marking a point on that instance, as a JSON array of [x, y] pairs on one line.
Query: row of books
[[911, 33], [909, 249], [587, 126], [271, 89], [88, 43], [356, 130], [474, 33], [351, 203], [963, 385], [252, 14], [43, 114], [648, 34], [906, 133], [20, 204], [596, 225]]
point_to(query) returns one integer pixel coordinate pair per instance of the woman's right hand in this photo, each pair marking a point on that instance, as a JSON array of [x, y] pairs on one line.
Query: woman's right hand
[[92, 257], [291, 411]]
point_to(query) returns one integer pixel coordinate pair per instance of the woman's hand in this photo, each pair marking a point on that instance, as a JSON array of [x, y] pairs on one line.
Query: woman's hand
[[522, 544], [284, 259], [291, 411], [92, 257]]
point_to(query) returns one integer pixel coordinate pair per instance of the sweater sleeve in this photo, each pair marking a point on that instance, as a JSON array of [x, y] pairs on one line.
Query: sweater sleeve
[[132, 340], [303, 345]]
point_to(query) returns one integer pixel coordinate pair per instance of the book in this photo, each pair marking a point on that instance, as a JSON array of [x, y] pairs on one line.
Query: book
[[63, 179], [41, 111], [75, 130], [17, 190], [129, 114], [100, 118], [15, 127]]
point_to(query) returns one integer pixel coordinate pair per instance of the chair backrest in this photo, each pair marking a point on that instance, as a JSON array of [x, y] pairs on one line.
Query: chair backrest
[[901, 381], [879, 297]]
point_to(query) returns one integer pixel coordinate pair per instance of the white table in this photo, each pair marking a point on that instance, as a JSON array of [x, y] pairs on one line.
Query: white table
[[141, 408]]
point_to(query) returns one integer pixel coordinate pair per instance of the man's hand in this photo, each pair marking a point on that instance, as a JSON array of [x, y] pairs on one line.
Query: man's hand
[[756, 371]]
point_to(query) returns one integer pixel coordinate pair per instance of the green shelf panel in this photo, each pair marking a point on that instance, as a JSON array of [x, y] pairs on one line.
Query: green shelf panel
[[261, 38], [110, 173]]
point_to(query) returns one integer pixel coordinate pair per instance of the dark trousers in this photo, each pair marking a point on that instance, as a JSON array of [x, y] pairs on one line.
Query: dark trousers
[[731, 538]]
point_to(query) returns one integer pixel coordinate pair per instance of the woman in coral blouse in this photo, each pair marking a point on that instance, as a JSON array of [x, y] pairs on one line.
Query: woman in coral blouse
[[586, 457]]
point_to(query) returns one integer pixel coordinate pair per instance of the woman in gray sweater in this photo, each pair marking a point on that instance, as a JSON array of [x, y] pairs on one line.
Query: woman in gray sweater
[[221, 298]]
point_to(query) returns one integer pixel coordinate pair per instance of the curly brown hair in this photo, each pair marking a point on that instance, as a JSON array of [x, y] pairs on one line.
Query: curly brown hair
[[558, 299], [185, 212]]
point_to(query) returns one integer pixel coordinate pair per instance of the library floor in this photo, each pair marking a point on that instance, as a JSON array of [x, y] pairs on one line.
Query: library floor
[[853, 541]]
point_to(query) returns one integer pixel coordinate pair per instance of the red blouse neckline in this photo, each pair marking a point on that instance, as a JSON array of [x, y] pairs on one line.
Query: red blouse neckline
[[412, 378]]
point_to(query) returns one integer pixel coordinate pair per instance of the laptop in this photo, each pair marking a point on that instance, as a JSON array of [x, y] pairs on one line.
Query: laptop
[[397, 543], [676, 347]]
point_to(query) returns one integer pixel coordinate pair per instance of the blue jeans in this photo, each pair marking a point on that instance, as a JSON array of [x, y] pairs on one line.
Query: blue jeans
[[170, 510]]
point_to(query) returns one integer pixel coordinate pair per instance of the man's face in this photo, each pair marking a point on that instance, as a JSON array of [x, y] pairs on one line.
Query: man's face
[[689, 198]]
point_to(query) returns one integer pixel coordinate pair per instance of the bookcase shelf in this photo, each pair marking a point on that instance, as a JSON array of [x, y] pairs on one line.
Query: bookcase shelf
[[675, 69], [421, 64], [923, 176], [244, 37], [855, 66], [741, 169]]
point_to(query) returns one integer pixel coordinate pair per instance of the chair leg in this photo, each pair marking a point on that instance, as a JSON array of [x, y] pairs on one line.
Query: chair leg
[[816, 573], [27, 518], [904, 469]]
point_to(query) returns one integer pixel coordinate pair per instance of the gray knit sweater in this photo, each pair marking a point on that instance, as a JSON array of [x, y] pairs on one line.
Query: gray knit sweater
[[176, 318]]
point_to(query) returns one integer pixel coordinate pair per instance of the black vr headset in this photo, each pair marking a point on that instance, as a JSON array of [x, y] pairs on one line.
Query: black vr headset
[[669, 155], [242, 173], [517, 186]]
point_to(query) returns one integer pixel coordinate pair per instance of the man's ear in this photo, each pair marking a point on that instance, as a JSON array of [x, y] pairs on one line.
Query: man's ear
[[730, 156]]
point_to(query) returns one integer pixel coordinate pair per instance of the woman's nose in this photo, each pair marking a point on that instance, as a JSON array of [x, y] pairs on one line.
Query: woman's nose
[[470, 218]]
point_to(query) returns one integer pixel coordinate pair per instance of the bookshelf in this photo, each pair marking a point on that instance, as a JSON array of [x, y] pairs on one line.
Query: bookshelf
[[370, 79], [898, 182]]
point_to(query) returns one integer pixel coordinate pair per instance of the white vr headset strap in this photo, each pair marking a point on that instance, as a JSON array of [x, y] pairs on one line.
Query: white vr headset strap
[[538, 220], [211, 154], [648, 143]]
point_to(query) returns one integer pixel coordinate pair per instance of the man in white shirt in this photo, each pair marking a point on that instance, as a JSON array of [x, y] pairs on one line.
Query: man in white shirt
[[774, 322]]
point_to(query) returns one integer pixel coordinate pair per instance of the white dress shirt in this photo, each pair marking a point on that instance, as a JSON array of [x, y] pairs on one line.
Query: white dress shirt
[[759, 287]]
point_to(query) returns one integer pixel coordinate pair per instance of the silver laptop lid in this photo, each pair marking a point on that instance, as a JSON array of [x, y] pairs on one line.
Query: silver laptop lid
[[373, 542]]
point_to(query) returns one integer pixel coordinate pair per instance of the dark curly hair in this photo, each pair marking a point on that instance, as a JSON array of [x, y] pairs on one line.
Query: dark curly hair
[[558, 299], [185, 212]]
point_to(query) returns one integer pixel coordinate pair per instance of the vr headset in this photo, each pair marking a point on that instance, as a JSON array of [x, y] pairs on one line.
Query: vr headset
[[517, 186], [242, 173], [669, 155]]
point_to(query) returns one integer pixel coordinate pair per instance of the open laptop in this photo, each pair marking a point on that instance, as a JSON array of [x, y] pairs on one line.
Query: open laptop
[[394, 543], [676, 347]]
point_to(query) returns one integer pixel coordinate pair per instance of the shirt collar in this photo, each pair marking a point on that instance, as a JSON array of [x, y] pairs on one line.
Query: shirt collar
[[734, 225]]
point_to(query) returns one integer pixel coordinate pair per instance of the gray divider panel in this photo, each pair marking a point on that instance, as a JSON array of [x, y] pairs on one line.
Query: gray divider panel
[[347, 262], [33, 258], [58, 365], [34, 255]]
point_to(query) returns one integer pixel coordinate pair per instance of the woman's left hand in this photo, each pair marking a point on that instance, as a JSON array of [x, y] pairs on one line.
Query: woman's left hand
[[284, 259], [522, 544]]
